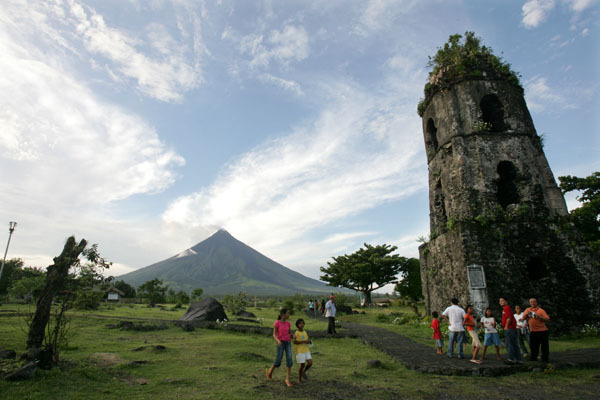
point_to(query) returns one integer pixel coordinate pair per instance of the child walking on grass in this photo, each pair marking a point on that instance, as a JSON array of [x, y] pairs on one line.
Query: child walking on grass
[[302, 353], [437, 333], [491, 334], [281, 333]]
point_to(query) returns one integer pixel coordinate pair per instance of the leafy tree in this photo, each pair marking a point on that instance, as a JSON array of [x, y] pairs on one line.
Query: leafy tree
[[410, 284], [28, 288], [67, 280], [153, 291], [178, 298], [235, 303], [587, 217], [365, 270], [197, 294], [126, 288], [10, 274]]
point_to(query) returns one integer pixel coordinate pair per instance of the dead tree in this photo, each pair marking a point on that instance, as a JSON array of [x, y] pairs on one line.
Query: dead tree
[[56, 279]]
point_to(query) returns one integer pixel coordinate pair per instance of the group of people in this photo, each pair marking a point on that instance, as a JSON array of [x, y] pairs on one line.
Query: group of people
[[519, 328], [284, 338], [327, 310]]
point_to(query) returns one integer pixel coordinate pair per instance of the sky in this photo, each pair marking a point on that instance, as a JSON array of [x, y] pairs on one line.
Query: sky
[[146, 125]]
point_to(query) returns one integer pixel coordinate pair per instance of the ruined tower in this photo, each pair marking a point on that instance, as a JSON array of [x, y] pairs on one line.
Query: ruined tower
[[496, 212]]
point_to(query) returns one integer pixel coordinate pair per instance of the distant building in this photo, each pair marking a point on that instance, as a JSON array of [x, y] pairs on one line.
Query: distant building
[[114, 294]]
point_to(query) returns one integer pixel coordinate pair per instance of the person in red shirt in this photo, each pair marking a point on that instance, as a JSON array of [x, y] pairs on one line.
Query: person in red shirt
[[509, 324], [469, 323], [437, 333], [538, 335]]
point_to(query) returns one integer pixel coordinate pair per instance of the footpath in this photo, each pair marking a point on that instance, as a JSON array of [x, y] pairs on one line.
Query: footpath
[[419, 357]]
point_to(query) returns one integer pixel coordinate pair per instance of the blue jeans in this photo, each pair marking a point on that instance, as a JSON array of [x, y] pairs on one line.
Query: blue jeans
[[523, 336], [459, 338], [287, 347], [512, 345]]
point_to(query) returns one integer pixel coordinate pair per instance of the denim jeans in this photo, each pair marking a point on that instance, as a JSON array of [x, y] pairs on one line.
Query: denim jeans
[[522, 337], [459, 338], [512, 346], [287, 347]]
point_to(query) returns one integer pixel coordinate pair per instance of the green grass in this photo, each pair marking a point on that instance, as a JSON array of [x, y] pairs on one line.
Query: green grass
[[206, 364]]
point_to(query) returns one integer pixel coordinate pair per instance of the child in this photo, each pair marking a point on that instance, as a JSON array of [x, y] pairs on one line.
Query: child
[[491, 334], [302, 353], [469, 323], [437, 333], [281, 333]]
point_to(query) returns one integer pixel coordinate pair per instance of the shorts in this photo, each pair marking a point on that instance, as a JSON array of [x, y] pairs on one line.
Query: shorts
[[301, 358], [491, 339], [475, 338], [439, 342]]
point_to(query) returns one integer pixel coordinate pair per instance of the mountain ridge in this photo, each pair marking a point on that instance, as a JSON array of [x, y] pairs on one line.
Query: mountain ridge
[[221, 264]]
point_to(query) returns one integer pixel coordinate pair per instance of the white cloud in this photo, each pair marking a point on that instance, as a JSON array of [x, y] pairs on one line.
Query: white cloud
[[361, 152], [66, 155], [535, 12], [579, 5], [291, 86], [380, 14], [163, 73], [540, 95], [285, 46]]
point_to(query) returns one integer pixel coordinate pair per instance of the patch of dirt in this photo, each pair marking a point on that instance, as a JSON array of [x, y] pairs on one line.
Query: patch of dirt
[[327, 390], [107, 359]]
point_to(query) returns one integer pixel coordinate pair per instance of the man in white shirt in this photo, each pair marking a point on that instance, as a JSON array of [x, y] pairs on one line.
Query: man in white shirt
[[454, 316], [330, 315]]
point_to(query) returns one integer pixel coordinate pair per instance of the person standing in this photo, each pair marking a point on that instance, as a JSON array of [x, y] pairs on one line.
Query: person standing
[[522, 331], [509, 324], [330, 315], [322, 307], [454, 316], [538, 331], [469, 323], [437, 333], [282, 335]]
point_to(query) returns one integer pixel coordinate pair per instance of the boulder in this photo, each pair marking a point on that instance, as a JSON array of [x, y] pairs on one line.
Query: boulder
[[208, 309], [27, 371], [246, 314], [8, 354], [344, 309]]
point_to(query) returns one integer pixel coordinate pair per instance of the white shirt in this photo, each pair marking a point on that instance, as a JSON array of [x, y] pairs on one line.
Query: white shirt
[[455, 315], [330, 307], [521, 322], [488, 324]]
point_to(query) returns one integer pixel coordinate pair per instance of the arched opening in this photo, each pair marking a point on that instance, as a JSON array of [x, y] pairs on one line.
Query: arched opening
[[432, 133], [439, 206], [492, 112], [536, 269], [507, 189]]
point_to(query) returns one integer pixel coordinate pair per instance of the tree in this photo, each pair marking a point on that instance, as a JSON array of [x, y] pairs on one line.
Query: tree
[[235, 303], [197, 294], [10, 274], [126, 288], [153, 291], [410, 284], [587, 217], [365, 270], [66, 279]]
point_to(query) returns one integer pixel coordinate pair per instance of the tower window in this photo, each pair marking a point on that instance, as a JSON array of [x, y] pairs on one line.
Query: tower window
[[432, 134], [438, 204], [492, 112], [507, 188], [536, 269]]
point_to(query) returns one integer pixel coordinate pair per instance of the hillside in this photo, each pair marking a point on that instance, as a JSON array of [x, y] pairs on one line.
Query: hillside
[[221, 265]]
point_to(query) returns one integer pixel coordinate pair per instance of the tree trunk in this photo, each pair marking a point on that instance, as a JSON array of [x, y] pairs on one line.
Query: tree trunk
[[55, 282], [367, 296]]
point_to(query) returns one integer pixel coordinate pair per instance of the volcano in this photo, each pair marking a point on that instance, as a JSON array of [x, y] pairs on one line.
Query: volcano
[[222, 265]]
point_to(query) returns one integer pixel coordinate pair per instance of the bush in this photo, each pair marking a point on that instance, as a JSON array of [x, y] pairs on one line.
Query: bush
[[289, 304], [383, 318]]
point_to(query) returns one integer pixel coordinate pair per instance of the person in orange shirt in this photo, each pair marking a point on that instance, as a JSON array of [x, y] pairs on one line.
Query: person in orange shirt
[[469, 323], [538, 331]]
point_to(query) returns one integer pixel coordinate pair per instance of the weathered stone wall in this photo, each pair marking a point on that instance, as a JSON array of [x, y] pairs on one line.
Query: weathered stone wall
[[494, 202]]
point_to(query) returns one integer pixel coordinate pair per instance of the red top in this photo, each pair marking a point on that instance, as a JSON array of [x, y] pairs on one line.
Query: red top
[[435, 325], [506, 314], [469, 323], [283, 330]]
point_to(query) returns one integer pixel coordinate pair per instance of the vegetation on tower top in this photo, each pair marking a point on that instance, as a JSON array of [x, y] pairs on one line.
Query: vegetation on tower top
[[466, 60]]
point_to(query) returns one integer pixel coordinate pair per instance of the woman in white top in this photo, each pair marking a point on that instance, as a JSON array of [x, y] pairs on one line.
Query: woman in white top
[[491, 334]]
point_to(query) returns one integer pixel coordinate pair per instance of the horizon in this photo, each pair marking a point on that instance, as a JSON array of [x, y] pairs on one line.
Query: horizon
[[147, 127]]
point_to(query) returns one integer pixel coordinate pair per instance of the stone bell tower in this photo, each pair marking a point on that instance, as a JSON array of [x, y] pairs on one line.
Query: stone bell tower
[[497, 216]]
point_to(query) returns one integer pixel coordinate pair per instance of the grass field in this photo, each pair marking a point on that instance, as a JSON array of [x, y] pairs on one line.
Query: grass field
[[214, 364]]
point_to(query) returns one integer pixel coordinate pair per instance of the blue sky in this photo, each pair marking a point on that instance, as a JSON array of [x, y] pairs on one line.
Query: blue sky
[[145, 126]]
